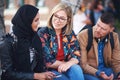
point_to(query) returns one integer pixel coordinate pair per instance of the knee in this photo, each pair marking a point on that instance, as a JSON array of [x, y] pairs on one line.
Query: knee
[[76, 72], [75, 67]]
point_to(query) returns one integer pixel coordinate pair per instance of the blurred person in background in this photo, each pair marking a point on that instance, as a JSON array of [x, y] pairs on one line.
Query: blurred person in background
[[88, 9], [110, 8], [6, 3], [80, 20], [2, 25], [95, 12], [117, 8]]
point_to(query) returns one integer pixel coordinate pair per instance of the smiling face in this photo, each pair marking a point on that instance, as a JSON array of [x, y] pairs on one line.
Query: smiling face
[[59, 20], [36, 22], [102, 29]]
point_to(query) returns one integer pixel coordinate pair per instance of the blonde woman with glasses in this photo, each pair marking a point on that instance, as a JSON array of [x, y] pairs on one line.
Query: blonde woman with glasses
[[60, 45]]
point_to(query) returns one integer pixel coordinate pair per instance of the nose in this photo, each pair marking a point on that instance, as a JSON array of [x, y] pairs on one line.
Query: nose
[[57, 20], [98, 29]]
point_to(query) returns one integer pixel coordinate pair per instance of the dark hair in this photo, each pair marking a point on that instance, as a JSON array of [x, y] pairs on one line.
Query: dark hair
[[95, 4], [80, 8], [108, 18]]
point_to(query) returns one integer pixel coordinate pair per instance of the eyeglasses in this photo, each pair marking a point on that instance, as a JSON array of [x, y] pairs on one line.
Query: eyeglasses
[[60, 18]]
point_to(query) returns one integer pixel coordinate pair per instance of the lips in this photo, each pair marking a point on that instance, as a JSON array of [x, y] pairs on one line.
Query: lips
[[97, 34]]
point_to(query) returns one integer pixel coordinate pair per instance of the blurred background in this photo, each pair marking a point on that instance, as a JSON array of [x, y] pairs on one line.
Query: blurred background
[[10, 7]]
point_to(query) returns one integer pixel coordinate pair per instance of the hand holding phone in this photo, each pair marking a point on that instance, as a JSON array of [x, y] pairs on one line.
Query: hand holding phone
[[59, 75]]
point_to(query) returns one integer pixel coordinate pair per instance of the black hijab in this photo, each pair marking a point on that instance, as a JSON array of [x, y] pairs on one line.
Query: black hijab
[[27, 38], [22, 21]]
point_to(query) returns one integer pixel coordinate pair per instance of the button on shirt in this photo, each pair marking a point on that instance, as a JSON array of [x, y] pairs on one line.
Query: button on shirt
[[100, 55]]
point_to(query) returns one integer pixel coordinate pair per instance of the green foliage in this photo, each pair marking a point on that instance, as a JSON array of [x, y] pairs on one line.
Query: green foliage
[[117, 24]]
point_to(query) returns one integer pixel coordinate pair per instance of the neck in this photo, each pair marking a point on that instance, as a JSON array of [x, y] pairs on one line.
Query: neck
[[58, 32]]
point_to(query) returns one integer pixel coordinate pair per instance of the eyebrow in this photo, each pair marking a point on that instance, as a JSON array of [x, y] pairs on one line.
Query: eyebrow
[[60, 16], [101, 27]]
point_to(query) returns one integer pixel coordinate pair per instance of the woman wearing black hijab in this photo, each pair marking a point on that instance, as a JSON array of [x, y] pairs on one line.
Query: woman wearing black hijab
[[26, 61]]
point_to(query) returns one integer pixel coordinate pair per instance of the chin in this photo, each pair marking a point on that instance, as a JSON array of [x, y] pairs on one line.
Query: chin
[[57, 28], [97, 36]]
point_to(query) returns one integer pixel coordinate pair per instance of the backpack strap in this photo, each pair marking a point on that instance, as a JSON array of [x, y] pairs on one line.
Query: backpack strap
[[111, 40], [90, 39]]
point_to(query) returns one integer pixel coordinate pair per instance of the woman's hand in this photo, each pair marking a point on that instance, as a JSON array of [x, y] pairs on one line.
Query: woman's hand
[[64, 67], [44, 76]]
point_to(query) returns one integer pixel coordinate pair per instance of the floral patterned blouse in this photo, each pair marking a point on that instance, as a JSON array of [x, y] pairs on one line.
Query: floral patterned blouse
[[50, 46]]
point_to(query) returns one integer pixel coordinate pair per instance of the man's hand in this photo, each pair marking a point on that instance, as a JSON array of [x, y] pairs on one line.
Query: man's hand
[[118, 78], [105, 77]]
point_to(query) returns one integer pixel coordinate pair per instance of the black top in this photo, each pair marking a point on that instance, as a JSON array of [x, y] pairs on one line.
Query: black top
[[18, 66]]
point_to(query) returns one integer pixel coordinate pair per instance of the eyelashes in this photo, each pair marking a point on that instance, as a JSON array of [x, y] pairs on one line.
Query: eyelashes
[[36, 19]]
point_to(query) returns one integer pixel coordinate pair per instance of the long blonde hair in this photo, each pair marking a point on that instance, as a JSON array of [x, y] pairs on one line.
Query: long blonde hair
[[68, 11]]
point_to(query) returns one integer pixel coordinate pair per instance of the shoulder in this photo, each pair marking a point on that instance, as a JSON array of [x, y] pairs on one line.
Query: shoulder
[[83, 37], [115, 36], [71, 35], [7, 41], [9, 38], [83, 33], [44, 33], [42, 29]]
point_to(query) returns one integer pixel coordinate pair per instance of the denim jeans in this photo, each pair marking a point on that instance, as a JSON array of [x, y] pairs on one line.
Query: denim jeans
[[74, 73], [62, 77], [108, 72]]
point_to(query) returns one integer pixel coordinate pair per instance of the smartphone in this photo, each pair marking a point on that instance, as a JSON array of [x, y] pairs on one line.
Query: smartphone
[[59, 75]]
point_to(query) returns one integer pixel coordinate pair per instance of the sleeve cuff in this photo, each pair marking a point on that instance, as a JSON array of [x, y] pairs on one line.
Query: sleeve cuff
[[98, 73], [52, 61], [118, 74]]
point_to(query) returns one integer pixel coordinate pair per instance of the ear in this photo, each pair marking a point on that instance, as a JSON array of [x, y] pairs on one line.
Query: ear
[[112, 28]]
